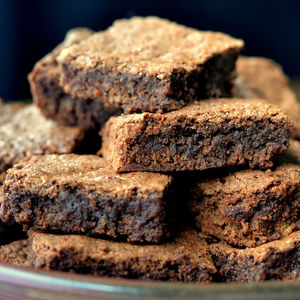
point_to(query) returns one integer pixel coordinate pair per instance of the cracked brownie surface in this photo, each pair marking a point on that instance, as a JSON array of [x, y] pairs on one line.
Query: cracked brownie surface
[[248, 207], [81, 194], [208, 134], [149, 64]]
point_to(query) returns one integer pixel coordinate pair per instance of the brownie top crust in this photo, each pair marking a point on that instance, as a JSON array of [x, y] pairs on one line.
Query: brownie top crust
[[213, 111], [88, 171], [245, 182], [149, 45], [27, 133]]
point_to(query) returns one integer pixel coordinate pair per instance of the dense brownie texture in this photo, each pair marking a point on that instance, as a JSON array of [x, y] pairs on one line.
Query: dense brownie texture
[[80, 194], [17, 253], [248, 207], [26, 133], [263, 78], [185, 259], [277, 260], [204, 135], [149, 64], [54, 103]]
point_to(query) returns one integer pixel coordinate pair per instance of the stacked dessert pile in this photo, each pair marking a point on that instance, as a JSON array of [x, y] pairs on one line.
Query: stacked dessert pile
[[188, 184]]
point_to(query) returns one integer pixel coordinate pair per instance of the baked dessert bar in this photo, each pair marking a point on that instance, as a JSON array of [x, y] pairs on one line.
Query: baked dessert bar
[[248, 208], [277, 260], [26, 132], [184, 259], [208, 134], [57, 105], [149, 64], [263, 78], [81, 194]]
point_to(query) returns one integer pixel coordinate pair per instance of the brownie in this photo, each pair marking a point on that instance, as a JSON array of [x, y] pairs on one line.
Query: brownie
[[248, 207], [57, 105], [25, 132], [263, 78], [184, 259], [17, 253], [208, 134], [80, 194], [149, 64], [277, 260]]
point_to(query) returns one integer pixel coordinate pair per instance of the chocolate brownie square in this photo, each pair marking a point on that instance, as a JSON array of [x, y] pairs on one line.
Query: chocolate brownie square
[[149, 64], [17, 253], [184, 259], [208, 134], [81, 194], [57, 105], [277, 260], [26, 132], [248, 207], [263, 78]]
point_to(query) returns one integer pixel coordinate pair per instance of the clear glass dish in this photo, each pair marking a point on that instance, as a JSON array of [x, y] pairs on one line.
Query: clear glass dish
[[25, 284]]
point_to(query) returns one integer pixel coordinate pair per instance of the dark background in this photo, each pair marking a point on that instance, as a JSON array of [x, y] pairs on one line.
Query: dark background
[[30, 29]]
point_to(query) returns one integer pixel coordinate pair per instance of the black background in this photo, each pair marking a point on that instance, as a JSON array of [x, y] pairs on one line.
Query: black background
[[30, 29]]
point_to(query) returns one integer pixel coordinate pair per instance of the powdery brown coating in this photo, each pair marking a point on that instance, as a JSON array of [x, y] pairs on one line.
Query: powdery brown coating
[[263, 78], [208, 134], [54, 103], [277, 260], [80, 194], [184, 259], [17, 253], [26, 133], [149, 64], [248, 207], [7, 112]]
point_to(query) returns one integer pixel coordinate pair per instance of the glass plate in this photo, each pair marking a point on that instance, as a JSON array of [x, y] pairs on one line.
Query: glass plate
[[25, 284]]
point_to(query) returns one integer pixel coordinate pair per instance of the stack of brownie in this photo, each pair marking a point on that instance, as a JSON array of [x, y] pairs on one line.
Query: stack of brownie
[[193, 181]]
